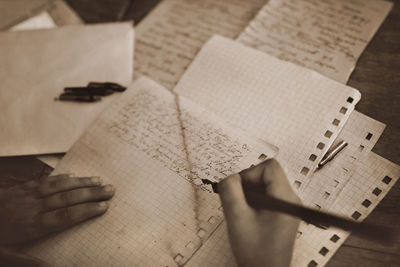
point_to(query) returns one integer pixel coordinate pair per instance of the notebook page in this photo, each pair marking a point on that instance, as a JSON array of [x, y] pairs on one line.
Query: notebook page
[[361, 130], [161, 213], [294, 108], [169, 37], [361, 133], [335, 183], [372, 178], [315, 245], [326, 36]]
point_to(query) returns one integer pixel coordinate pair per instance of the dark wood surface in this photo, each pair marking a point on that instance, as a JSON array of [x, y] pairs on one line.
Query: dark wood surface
[[377, 76]]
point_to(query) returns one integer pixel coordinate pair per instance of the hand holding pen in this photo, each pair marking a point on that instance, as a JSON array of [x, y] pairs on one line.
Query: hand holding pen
[[263, 212], [259, 237]]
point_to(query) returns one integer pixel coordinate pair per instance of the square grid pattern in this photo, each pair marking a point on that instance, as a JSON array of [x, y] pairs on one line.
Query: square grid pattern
[[156, 216], [371, 172], [315, 246], [244, 86]]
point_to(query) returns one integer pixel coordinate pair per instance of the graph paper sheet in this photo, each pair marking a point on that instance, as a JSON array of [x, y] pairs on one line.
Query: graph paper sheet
[[361, 133], [161, 213], [302, 115], [169, 37], [351, 185], [326, 36]]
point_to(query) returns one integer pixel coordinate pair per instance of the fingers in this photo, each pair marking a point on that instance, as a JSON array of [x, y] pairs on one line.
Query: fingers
[[269, 178], [232, 197], [60, 183], [30, 185], [61, 219], [263, 173], [77, 196], [50, 178]]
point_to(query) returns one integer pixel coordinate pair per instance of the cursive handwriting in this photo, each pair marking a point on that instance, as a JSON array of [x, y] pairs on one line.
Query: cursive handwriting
[[170, 37], [326, 36]]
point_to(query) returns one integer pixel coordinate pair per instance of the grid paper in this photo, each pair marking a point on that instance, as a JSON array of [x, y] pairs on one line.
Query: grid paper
[[369, 171], [361, 133], [252, 91], [326, 36], [158, 216], [371, 180], [169, 37]]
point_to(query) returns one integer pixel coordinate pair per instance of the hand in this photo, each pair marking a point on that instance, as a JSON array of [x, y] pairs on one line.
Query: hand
[[39, 207], [15, 259], [259, 237]]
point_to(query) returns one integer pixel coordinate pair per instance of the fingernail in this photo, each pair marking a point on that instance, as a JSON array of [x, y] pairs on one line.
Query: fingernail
[[103, 204], [108, 188], [96, 180]]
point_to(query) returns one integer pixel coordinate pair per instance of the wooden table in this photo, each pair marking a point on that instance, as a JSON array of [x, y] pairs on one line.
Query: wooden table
[[377, 76]]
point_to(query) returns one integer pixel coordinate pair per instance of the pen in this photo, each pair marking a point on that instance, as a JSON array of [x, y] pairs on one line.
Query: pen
[[88, 91], [78, 98], [107, 85], [330, 155], [261, 201]]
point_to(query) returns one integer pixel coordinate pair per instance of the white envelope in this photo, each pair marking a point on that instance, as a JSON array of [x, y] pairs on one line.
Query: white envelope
[[37, 65]]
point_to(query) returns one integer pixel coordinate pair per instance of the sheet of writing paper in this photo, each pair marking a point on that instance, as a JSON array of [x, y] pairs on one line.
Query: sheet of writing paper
[[338, 182], [333, 189], [41, 21], [361, 133], [38, 64], [326, 36], [361, 130], [64, 16], [154, 152], [296, 109], [168, 39], [372, 178], [45, 21]]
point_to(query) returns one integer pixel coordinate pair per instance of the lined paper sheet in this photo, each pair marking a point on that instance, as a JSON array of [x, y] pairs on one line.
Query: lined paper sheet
[[301, 115], [353, 196], [161, 213], [326, 36], [169, 37]]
